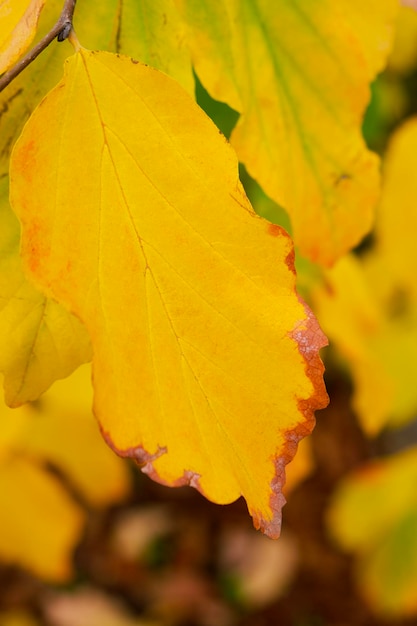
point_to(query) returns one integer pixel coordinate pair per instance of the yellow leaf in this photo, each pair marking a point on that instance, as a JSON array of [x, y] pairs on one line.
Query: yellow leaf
[[39, 340], [299, 73], [397, 220], [351, 317], [60, 429], [38, 518], [373, 23], [18, 22], [206, 366], [39, 523], [63, 431]]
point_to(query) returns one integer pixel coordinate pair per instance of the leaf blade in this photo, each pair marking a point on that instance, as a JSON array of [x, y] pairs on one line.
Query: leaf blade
[[168, 237]]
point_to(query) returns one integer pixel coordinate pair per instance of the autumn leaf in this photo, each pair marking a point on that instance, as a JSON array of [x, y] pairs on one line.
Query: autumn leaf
[[64, 414], [374, 25], [109, 25], [350, 314], [18, 22], [206, 366], [368, 306], [30, 539], [153, 33], [373, 514], [403, 57], [39, 340], [397, 220], [299, 73], [40, 521]]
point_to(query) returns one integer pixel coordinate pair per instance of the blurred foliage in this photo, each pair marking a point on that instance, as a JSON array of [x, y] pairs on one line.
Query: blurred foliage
[[54, 466]]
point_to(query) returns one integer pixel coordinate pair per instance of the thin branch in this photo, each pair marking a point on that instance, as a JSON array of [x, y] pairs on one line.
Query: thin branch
[[60, 30]]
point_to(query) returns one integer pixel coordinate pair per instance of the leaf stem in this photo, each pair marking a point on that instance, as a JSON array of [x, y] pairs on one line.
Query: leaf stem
[[63, 25]]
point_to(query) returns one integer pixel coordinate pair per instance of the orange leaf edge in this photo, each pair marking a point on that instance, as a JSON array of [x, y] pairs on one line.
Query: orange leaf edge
[[309, 340]]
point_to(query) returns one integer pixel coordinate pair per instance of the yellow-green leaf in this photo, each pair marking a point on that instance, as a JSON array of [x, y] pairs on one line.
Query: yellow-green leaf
[[206, 366], [40, 523], [39, 340], [153, 33], [350, 315], [373, 514], [299, 73], [368, 306], [18, 22], [108, 25], [397, 220]]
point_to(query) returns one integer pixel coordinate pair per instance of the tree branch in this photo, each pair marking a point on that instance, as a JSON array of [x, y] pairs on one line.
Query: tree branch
[[61, 30]]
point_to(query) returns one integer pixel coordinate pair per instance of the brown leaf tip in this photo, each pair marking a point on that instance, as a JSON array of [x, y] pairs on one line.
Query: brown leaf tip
[[272, 528]]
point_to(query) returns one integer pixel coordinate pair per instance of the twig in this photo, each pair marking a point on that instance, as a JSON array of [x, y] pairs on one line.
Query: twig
[[60, 30]]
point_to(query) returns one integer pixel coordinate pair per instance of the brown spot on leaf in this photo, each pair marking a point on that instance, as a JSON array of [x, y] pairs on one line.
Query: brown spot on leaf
[[342, 178], [137, 453], [275, 230]]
